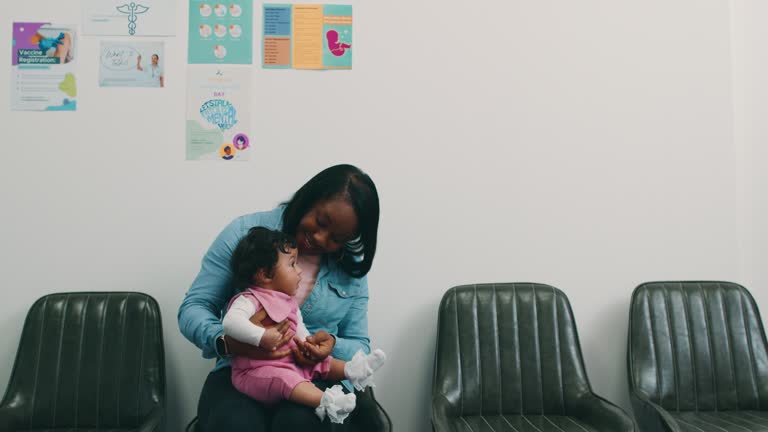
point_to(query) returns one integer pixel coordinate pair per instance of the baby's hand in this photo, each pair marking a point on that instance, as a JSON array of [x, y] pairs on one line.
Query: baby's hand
[[271, 339]]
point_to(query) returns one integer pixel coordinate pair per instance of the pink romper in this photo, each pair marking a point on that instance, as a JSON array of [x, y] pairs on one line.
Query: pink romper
[[270, 381]]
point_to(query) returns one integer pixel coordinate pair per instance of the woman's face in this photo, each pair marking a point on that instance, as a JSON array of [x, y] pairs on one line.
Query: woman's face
[[326, 227]]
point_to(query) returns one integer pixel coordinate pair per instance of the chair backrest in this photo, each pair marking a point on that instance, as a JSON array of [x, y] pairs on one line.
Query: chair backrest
[[697, 346], [88, 360], [508, 349]]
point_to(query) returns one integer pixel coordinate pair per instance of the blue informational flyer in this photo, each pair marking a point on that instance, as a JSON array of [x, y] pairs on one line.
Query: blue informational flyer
[[221, 33]]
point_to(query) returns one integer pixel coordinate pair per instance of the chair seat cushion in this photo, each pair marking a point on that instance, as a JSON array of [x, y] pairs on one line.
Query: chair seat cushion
[[83, 429], [518, 423], [79, 430], [722, 421]]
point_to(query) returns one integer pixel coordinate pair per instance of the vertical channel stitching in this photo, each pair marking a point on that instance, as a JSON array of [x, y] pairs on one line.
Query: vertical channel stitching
[[458, 353], [80, 358], [667, 315], [497, 339], [653, 346], [539, 372], [713, 368], [58, 359], [728, 343], [141, 359], [748, 335], [689, 334]]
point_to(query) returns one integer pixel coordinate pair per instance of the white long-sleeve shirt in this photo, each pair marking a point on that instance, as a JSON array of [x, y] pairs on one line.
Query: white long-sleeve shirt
[[237, 323]]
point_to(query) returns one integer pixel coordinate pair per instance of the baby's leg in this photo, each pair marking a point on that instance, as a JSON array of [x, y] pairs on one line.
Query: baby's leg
[[360, 365], [336, 373], [359, 371], [306, 393], [267, 384], [333, 402]]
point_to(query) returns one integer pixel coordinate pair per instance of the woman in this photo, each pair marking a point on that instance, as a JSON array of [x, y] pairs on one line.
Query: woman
[[334, 220]]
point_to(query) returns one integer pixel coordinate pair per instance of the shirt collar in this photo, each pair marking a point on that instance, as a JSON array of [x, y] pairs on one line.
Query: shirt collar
[[277, 304]]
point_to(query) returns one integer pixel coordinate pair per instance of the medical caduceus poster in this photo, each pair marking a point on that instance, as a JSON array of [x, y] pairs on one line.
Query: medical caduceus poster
[[129, 17]]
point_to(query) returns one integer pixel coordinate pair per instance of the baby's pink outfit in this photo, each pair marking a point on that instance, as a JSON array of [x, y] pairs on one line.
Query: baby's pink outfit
[[270, 381]]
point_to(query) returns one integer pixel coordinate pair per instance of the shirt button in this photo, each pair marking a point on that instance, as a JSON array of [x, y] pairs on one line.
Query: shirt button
[[344, 292]]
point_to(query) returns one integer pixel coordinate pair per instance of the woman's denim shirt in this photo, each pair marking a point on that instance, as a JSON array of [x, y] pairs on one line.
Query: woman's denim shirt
[[338, 303]]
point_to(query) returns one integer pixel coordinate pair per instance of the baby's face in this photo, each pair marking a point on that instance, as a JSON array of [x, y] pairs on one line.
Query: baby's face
[[287, 273]]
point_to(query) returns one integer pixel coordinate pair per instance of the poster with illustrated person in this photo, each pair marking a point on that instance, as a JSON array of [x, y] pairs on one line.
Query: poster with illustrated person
[[129, 17], [218, 113], [220, 33], [43, 67], [307, 36]]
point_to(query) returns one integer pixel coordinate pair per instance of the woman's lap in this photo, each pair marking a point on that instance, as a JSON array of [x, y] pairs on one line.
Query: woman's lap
[[224, 408]]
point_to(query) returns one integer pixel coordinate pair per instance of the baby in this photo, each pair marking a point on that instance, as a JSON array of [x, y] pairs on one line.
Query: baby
[[265, 268]]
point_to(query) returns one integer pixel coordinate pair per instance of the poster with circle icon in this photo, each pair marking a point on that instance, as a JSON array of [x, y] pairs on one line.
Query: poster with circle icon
[[241, 141], [227, 152], [218, 113], [220, 32]]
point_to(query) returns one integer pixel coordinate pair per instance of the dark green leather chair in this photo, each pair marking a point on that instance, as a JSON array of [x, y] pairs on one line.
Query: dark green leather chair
[[697, 358], [88, 362], [508, 359]]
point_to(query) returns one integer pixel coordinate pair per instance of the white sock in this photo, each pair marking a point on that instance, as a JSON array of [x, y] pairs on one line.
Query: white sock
[[336, 404], [359, 371]]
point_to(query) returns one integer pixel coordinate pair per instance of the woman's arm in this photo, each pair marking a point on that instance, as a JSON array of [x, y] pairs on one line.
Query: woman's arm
[[199, 313], [352, 333], [351, 338], [353, 330]]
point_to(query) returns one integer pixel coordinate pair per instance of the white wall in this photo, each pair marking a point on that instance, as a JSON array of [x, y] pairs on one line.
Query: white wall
[[591, 145], [750, 66]]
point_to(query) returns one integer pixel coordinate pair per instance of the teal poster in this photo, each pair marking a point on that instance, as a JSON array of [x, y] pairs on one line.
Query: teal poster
[[220, 33]]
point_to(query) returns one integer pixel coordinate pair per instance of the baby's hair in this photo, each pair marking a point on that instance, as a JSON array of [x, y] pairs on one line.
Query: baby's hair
[[256, 251]]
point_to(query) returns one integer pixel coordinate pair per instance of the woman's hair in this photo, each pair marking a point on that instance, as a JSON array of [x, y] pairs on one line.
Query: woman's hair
[[356, 187], [256, 251]]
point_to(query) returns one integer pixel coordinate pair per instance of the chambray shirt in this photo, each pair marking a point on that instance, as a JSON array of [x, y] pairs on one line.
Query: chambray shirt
[[338, 303]]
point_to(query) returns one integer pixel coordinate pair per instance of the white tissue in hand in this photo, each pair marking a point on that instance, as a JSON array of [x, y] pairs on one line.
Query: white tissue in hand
[[359, 371], [336, 404]]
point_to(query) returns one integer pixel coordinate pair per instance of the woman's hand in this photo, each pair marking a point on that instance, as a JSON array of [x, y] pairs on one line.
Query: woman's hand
[[302, 355], [315, 349], [278, 336], [321, 344]]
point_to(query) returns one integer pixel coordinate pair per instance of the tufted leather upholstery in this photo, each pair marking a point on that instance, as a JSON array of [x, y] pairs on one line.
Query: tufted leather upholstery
[[697, 357], [88, 362], [508, 359]]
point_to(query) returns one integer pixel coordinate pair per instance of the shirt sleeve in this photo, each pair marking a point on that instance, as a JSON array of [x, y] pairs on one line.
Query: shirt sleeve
[[353, 329], [237, 322], [200, 312], [301, 329]]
